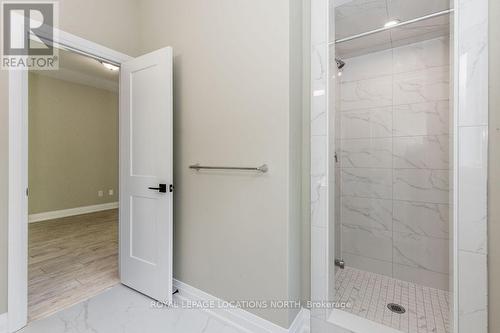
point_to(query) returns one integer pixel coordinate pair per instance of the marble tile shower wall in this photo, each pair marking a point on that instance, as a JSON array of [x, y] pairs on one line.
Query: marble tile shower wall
[[394, 162]]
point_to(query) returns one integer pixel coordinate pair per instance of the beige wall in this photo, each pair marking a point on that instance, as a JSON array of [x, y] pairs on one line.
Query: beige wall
[[113, 23], [494, 172], [73, 144], [295, 146], [236, 236]]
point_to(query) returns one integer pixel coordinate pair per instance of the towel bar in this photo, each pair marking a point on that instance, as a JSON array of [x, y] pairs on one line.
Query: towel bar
[[263, 168]]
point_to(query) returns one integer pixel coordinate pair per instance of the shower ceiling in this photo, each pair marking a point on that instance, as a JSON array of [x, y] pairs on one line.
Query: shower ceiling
[[357, 16]]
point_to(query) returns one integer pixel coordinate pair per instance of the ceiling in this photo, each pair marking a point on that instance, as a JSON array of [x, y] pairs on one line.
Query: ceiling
[[77, 68], [353, 17]]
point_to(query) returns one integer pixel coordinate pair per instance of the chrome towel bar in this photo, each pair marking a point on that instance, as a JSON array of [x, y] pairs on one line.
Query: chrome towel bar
[[263, 168]]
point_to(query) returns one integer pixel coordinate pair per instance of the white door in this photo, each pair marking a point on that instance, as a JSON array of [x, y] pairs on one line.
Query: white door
[[146, 195]]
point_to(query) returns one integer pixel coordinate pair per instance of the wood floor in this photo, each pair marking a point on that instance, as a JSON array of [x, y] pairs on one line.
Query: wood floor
[[70, 260]]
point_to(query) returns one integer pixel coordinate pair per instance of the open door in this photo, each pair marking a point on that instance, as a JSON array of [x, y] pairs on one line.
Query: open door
[[146, 176]]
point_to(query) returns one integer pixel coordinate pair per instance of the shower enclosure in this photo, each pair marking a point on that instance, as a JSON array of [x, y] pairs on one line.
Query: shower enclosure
[[392, 163], [384, 208]]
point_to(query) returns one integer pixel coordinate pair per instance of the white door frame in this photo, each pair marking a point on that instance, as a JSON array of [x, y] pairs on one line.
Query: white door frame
[[18, 174]]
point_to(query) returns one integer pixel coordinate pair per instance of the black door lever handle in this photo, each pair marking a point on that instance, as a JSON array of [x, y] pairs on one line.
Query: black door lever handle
[[162, 188]]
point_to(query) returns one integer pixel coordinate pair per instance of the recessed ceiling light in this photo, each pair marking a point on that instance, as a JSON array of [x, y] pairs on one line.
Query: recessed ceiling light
[[111, 67], [392, 23]]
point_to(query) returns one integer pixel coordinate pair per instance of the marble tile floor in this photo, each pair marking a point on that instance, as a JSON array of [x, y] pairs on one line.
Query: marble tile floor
[[120, 309], [427, 309]]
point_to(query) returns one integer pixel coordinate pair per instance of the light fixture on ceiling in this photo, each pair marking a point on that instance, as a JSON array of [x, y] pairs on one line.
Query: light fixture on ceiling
[[109, 66], [392, 23]]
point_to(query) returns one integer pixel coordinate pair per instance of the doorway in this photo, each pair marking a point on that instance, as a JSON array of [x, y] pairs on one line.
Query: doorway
[[73, 183], [145, 222]]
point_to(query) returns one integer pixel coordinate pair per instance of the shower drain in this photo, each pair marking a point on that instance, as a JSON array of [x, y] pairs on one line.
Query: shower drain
[[396, 308]]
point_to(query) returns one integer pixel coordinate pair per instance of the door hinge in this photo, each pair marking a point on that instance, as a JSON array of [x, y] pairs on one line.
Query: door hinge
[[27, 191]]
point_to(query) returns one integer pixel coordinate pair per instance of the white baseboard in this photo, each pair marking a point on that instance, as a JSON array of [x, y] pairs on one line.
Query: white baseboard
[[3, 323], [302, 322], [240, 318], [56, 214]]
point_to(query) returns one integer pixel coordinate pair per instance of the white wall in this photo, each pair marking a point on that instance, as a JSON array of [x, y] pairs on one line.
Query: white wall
[[237, 101], [394, 162], [4, 189], [494, 172], [306, 152]]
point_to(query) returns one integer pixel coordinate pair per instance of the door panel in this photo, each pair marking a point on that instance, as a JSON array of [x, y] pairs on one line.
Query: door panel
[[145, 162]]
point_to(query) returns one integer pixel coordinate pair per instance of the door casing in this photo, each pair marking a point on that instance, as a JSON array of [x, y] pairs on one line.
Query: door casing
[[17, 262]]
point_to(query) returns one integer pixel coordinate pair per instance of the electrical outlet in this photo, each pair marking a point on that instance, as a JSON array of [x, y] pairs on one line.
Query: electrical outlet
[[111, 192], [100, 193]]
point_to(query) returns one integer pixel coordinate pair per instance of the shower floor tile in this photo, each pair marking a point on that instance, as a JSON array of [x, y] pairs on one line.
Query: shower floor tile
[[427, 309]]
